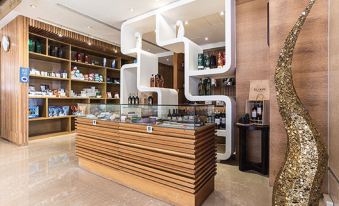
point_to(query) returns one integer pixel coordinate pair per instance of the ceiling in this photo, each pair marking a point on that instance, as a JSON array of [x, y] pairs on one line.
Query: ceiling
[[102, 19]]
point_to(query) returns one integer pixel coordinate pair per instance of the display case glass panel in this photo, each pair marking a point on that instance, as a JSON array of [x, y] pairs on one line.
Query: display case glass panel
[[173, 116]]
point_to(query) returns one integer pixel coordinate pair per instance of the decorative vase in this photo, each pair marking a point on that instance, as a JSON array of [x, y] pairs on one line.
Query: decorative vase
[[300, 178]]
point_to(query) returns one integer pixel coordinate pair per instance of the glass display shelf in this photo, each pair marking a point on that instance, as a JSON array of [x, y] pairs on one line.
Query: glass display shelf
[[170, 116]]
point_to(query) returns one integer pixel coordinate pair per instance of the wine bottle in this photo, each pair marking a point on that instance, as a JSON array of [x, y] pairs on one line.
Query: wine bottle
[[201, 87], [254, 112], [217, 120], [173, 115], [150, 100], [169, 116], [136, 99], [200, 61], [208, 86], [133, 99], [130, 99], [259, 111], [223, 120]]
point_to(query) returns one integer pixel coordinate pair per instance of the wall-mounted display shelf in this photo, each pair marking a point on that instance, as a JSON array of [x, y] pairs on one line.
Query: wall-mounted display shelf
[[63, 75]]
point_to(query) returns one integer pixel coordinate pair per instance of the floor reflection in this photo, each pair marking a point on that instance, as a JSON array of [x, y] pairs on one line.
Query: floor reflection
[[46, 173]]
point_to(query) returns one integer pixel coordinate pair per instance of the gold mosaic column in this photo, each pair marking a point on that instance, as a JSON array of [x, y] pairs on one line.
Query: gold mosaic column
[[299, 180]]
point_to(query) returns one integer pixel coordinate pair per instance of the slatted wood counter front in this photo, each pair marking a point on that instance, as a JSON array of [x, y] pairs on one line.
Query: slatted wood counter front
[[174, 165]]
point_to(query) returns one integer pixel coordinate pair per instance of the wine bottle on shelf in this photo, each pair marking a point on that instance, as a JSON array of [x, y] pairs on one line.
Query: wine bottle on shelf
[[254, 112], [217, 120], [133, 99], [201, 61], [201, 88], [150, 100], [223, 120], [130, 99], [208, 86], [173, 117], [136, 99], [180, 116], [259, 111], [213, 62], [207, 61], [169, 115]]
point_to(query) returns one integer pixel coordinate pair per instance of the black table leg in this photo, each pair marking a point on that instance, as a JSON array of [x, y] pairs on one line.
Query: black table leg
[[242, 150], [265, 150]]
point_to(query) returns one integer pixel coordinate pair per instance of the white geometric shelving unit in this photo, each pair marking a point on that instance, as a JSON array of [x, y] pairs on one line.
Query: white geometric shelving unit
[[163, 21]]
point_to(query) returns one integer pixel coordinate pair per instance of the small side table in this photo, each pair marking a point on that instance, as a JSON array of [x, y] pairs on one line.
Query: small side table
[[244, 164]]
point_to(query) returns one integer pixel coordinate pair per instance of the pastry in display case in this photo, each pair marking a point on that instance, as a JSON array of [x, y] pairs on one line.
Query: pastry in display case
[[172, 116]]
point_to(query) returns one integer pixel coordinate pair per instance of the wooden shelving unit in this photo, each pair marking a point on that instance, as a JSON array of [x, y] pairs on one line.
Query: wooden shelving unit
[[45, 126]]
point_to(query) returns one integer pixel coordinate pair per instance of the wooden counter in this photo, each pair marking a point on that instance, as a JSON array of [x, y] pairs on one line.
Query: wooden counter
[[175, 165]]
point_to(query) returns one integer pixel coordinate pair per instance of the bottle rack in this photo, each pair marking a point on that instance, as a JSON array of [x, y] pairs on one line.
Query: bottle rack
[[164, 22], [46, 60]]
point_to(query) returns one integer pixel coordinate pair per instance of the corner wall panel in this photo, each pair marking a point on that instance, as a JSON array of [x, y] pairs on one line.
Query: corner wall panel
[[13, 94]]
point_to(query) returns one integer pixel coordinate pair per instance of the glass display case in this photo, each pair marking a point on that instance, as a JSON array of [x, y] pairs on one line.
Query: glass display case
[[172, 116]]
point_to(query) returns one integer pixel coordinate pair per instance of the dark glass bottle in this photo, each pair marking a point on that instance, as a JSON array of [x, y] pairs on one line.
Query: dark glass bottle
[[217, 120], [61, 53], [254, 112], [201, 61], [207, 61], [174, 115], [169, 115], [213, 62], [133, 99], [201, 88], [38, 47], [130, 99], [136, 99], [150, 100], [31, 45], [223, 120], [208, 88], [259, 111]]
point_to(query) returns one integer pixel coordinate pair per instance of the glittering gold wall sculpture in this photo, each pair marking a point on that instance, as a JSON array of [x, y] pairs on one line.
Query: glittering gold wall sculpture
[[299, 180]]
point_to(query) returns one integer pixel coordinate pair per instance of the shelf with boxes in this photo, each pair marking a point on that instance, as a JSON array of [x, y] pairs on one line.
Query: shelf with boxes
[[63, 74]]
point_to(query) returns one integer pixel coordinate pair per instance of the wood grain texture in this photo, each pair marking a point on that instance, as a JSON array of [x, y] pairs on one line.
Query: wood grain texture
[[14, 102], [173, 160], [334, 99], [309, 69], [252, 58]]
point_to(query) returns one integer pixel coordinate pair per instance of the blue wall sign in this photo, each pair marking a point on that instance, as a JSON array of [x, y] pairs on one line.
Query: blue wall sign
[[24, 75]]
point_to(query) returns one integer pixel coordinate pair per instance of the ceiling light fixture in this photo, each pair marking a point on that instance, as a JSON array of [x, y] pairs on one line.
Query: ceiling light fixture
[[167, 59], [32, 6], [222, 13], [115, 51], [89, 43], [186, 22], [131, 9], [89, 27], [206, 38]]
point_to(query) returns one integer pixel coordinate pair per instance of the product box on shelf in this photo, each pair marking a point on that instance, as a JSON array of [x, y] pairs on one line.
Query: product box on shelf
[[58, 111], [258, 111]]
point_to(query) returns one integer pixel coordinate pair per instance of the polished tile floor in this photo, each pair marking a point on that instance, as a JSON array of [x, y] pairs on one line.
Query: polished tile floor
[[46, 173]]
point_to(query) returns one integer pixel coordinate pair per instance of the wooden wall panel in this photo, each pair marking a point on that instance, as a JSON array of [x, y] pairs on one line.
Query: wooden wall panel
[[252, 57], [13, 95], [310, 68], [334, 99]]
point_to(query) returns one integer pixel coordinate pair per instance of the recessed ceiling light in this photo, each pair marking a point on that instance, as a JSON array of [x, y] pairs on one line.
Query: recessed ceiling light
[[131, 9], [115, 51], [222, 13], [186, 22], [33, 6], [89, 27], [167, 59], [206, 38], [89, 43]]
